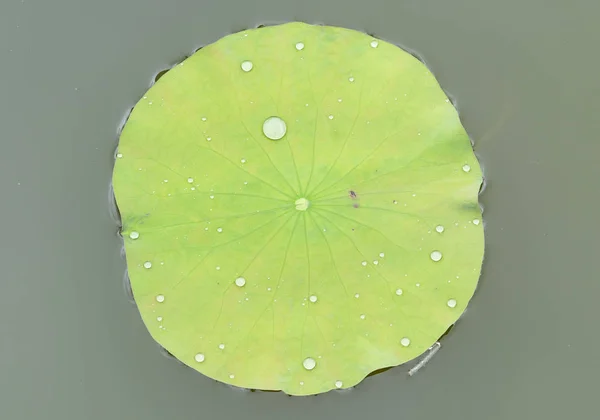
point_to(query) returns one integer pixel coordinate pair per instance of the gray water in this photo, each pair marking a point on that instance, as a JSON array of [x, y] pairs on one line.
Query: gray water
[[525, 77]]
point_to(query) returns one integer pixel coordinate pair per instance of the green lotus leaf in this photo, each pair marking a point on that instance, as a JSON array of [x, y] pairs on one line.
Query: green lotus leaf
[[299, 208]]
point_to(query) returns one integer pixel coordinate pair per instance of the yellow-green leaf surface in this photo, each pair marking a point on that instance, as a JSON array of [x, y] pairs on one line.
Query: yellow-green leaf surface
[[300, 209]]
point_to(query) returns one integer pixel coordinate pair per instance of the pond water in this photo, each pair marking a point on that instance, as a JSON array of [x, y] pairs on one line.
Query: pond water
[[524, 76]]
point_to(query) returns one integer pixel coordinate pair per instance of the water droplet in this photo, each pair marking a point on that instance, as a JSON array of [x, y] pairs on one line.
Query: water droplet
[[243, 160], [165, 180], [231, 376], [309, 363], [191, 180], [338, 384], [301, 382], [199, 358], [313, 298], [222, 346], [451, 303], [302, 204], [119, 155], [439, 228], [466, 168], [398, 292], [212, 197], [218, 268], [436, 256], [219, 230], [357, 296], [405, 341], [418, 284], [159, 318], [247, 66], [374, 44], [375, 262], [208, 139], [362, 316], [240, 282], [274, 128], [340, 100], [351, 79], [381, 255], [475, 222], [364, 263], [331, 117], [147, 264], [203, 118], [300, 46], [395, 202], [134, 235], [160, 298]]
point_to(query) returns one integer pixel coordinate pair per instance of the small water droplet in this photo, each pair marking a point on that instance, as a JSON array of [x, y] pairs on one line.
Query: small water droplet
[[219, 230], [405, 341], [374, 44], [147, 264], [203, 118], [208, 139], [362, 316], [119, 155], [331, 117], [351, 79], [301, 382], [338, 384], [134, 235], [218, 268], [364, 263], [243, 160], [436, 256], [160, 298], [398, 292], [313, 298], [451, 303], [309, 363], [340, 100], [357, 296], [475, 222], [240, 282], [375, 262], [466, 168], [231, 376], [247, 66], [212, 197], [222, 346], [439, 228], [300, 46], [395, 202], [274, 128], [199, 358], [165, 180], [159, 318], [418, 284], [381, 255], [191, 180]]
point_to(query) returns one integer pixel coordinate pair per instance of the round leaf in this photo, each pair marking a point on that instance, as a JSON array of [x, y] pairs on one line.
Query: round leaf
[[300, 209]]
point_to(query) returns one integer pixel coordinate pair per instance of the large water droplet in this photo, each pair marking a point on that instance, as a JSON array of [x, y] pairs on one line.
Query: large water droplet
[[191, 180], [466, 168], [274, 128], [147, 264], [160, 298], [338, 384], [405, 341], [222, 346], [436, 256], [199, 358], [302, 204], [240, 282], [309, 363], [476, 222], [300, 46], [313, 298], [247, 66], [219, 230], [398, 292], [381, 255], [451, 303], [374, 44], [439, 228], [134, 235]]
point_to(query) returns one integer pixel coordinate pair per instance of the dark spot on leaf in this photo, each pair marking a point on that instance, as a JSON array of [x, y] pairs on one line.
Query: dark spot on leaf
[[355, 205]]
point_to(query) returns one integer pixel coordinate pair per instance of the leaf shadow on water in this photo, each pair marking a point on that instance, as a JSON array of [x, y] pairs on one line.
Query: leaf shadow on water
[[408, 366]]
